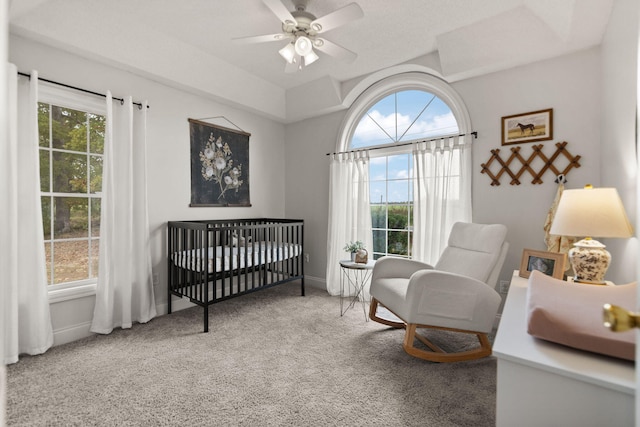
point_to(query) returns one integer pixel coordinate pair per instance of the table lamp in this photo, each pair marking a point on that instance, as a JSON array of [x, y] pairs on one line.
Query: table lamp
[[592, 212]]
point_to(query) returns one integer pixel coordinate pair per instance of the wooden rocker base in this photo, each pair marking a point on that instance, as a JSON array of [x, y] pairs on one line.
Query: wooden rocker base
[[436, 354]]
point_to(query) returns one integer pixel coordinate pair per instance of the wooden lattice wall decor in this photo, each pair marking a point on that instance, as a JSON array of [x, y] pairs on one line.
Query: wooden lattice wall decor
[[526, 164]]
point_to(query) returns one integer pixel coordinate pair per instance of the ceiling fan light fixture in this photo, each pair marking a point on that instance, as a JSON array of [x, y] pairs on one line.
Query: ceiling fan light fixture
[[303, 46], [288, 53], [310, 58]]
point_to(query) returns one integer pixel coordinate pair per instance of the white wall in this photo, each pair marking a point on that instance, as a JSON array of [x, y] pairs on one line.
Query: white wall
[[168, 158], [619, 145], [570, 85], [307, 185]]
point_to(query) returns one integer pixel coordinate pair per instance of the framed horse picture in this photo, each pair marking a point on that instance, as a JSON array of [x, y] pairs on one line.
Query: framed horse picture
[[527, 127]]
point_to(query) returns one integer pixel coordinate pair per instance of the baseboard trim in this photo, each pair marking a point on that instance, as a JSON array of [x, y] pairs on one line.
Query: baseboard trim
[[71, 333], [315, 282]]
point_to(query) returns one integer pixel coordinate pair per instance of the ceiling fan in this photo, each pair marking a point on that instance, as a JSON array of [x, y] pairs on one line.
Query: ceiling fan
[[302, 30]]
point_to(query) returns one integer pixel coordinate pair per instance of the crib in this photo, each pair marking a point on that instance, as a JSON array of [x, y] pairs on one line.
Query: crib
[[210, 261]]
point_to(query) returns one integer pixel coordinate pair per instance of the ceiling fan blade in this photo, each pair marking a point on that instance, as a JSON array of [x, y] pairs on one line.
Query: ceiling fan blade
[[264, 38], [280, 11], [337, 51], [338, 17]]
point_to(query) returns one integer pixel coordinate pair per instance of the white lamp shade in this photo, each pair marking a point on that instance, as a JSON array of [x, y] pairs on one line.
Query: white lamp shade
[[310, 58], [592, 212], [288, 52], [303, 46]]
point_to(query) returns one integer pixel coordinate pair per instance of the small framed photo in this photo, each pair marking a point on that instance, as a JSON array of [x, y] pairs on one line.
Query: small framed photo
[[550, 263], [527, 127]]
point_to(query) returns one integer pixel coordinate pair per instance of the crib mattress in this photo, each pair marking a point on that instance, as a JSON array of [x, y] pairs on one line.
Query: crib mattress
[[237, 257]]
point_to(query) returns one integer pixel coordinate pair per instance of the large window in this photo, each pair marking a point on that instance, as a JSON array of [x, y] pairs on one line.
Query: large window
[[390, 116], [71, 154]]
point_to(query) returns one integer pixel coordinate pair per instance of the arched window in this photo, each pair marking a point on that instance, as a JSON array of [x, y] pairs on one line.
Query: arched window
[[391, 116], [404, 116]]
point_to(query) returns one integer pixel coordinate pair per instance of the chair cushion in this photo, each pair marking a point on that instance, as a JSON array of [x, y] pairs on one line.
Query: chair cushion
[[392, 293], [571, 314], [478, 237], [473, 249]]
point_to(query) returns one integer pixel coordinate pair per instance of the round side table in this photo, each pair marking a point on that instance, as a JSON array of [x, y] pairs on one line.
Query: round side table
[[354, 276]]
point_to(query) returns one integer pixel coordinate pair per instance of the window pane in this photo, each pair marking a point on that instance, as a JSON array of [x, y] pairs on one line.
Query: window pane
[[369, 133], [412, 107], [440, 120], [380, 241], [95, 217], [47, 254], [46, 216], [43, 124], [398, 166], [398, 191], [411, 217], [96, 134], [44, 171], [69, 173], [95, 250], [71, 217], [398, 243], [95, 171], [71, 261], [398, 217], [69, 128], [378, 192], [378, 169], [379, 216]]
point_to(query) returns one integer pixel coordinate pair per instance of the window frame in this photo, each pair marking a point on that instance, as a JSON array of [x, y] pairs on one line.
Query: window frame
[[386, 87], [63, 97]]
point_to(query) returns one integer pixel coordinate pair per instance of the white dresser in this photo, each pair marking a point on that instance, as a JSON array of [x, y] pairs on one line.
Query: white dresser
[[545, 384]]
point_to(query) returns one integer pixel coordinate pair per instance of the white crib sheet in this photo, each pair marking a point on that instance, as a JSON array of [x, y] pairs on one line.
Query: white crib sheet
[[237, 257]]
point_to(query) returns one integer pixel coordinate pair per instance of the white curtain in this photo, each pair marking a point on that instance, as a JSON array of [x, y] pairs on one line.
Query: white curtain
[[349, 211], [442, 193], [25, 303], [125, 288]]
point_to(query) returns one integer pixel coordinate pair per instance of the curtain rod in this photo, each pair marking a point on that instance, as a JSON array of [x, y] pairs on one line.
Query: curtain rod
[[81, 90], [474, 133]]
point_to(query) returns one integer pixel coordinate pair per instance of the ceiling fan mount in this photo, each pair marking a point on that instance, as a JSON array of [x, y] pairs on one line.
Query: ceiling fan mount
[[302, 29], [304, 21]]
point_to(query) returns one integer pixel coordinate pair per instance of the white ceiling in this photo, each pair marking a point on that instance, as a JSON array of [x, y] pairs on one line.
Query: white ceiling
[[188, 43]]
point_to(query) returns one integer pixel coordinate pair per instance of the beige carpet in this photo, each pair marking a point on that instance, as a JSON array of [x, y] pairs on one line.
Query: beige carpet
[[272, 358]]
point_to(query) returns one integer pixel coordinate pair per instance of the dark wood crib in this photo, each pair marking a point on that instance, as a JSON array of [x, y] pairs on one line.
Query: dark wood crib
[[214, 260]]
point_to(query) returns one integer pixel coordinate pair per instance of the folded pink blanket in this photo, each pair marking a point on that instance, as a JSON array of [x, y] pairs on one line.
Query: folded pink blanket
[[571, 314]]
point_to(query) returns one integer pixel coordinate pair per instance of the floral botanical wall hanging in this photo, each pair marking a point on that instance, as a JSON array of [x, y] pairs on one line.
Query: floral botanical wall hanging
[[219, 165]]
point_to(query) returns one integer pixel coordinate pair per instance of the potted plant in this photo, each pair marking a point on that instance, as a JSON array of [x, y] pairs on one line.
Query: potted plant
[[354, 247]]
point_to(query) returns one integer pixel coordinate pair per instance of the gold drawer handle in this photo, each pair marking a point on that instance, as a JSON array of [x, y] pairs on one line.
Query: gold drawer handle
[[618, 319]]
